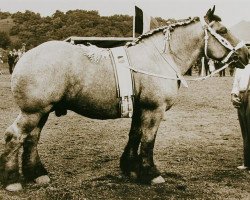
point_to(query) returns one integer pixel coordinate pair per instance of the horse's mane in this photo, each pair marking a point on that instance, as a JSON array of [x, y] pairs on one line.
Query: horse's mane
[[162, 28], [94, 53]]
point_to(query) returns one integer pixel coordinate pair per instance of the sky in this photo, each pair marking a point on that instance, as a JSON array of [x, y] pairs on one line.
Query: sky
[[231, 11]]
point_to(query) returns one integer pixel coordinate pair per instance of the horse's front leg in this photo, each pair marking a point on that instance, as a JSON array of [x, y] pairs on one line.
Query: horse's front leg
[[129, 162], [148, 172], [144, 127]]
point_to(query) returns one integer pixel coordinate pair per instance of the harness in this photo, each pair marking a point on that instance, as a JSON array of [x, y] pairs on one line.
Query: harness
[[207, 28], [222, 40], [124, 80], [123, 69]]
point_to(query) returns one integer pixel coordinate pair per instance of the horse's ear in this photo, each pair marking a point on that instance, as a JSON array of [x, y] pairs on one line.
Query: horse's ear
[[210, 13]]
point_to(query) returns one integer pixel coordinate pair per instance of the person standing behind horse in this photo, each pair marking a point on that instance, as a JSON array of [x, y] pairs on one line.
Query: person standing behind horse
[[11, 61], [13, 57], [240, 97], [1, 61]]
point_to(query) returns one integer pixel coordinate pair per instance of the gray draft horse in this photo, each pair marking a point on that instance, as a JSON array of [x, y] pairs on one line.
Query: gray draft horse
[[58, 76]]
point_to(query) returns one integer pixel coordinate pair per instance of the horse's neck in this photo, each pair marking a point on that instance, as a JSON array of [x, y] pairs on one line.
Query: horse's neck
[[184, 48], [148, 55], [186, 45]]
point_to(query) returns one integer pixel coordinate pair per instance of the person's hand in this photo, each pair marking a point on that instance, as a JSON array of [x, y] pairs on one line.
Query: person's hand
[[235, 100]]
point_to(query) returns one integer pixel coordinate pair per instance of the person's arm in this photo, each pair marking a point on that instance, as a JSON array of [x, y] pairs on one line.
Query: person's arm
[[235, 91]]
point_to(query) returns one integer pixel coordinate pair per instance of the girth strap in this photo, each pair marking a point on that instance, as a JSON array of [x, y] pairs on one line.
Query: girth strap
[[124, 80]]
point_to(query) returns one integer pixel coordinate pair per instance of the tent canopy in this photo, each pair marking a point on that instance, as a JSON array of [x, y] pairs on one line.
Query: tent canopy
[[103, 42]]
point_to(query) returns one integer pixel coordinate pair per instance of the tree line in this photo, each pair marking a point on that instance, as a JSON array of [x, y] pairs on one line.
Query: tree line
[[33, 29]]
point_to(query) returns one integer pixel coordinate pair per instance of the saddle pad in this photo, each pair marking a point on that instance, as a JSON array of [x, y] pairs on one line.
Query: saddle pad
[[124, 80]]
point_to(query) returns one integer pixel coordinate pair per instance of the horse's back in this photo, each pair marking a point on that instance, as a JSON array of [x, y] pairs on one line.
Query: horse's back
[[57, 71], [46, 55]]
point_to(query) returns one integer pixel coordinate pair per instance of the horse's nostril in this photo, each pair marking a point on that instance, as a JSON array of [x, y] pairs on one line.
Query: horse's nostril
[[235, 58]]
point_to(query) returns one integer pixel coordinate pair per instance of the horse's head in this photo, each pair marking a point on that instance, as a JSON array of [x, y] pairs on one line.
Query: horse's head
[[220, 44]]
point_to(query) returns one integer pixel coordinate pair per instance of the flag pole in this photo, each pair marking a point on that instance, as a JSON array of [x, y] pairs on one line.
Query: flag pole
[[134, 22]]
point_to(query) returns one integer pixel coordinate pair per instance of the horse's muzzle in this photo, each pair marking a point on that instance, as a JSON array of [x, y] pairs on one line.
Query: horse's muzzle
[[237, 61]]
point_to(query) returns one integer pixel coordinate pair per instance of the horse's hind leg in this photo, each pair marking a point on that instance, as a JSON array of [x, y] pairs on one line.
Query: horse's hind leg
[[32, 166], [14, 138]]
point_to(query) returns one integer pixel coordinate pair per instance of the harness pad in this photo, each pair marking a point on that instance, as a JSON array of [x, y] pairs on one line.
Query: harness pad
[[124, 80]]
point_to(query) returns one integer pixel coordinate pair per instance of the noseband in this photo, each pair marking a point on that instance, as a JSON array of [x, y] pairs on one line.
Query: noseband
[[232, 54]]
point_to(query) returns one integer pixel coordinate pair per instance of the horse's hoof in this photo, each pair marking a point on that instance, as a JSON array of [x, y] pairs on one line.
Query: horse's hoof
[[242, 167], [158, 180], [14, 187], [42, 180]]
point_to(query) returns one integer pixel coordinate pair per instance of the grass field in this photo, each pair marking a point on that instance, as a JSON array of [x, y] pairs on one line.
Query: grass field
[[197, 150]]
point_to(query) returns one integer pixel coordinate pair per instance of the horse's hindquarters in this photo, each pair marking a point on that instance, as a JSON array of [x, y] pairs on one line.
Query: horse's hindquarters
[[47, 79]]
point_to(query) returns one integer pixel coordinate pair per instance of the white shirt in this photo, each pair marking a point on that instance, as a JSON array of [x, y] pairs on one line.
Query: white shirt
[[241, 79]]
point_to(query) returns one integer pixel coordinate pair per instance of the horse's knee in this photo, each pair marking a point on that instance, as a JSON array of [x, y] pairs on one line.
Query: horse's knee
[[11, 133]]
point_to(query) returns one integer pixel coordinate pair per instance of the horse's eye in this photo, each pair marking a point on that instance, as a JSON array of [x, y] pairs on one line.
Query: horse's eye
[[222, 30]]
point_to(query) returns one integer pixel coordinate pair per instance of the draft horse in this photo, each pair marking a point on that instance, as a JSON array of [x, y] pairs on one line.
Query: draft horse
[[57, 76]]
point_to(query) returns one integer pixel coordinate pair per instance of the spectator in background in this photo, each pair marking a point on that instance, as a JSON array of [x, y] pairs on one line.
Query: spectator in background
[[1, 58], [1, 61], [12, 57], [231, 70]]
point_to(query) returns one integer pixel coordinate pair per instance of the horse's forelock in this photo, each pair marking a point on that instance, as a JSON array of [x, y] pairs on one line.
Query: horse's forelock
[[215, 18]]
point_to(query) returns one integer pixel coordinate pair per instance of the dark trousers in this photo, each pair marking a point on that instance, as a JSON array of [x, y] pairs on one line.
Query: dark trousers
[[11, 66], [222, 73], [244, 119]]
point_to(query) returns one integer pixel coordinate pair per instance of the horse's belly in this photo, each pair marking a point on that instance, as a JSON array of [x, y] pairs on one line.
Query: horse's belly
[[96, 98], [101, 108]]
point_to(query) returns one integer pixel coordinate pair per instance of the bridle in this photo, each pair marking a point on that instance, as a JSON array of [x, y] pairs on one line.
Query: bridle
[[232, 53]]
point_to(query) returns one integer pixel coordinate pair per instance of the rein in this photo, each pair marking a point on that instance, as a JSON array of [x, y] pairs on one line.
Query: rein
[[176, 78]]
